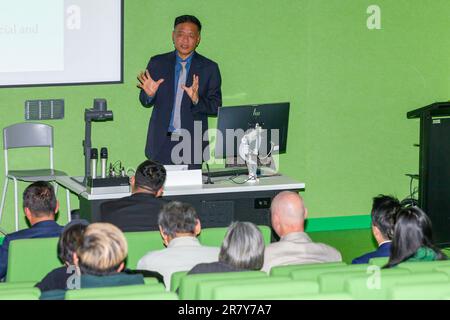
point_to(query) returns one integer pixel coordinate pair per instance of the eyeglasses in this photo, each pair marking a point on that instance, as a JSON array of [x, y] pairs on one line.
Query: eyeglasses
[[182, 34]]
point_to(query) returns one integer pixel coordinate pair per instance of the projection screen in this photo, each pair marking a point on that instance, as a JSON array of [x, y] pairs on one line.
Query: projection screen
[[60, 42]]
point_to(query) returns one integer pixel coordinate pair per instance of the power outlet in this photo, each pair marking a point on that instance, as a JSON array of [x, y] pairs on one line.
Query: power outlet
[[262, 203]]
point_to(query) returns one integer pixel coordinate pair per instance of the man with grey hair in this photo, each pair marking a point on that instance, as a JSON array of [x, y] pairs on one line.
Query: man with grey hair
[[241, 250], [288, 215], [179, 226]]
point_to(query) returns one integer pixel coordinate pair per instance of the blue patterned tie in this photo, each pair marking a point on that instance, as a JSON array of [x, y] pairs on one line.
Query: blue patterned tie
[[179, 97]]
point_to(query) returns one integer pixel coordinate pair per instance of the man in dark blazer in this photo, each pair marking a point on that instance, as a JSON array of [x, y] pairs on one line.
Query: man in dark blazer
[[384, 210], [183, 87], [40, 206], [138, 212]]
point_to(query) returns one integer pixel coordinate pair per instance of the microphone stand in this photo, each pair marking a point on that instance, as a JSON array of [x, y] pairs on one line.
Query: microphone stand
[[208, 180], [87, 145]]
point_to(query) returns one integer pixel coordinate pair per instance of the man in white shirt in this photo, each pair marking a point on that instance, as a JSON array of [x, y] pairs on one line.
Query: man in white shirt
[[288, 215], [179, 226]]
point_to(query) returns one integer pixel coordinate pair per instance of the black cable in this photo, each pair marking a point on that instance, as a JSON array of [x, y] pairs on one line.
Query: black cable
[[231, 178], [411, 201]]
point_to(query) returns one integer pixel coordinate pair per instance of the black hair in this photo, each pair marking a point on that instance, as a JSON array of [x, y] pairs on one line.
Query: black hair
[[150, 175], [177, 217], [188, 18], [69, 241], [384, 210], [40, 198], [412, 231]]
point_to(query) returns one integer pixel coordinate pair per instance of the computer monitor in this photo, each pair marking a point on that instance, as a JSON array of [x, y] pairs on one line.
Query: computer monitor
[[233, 122]]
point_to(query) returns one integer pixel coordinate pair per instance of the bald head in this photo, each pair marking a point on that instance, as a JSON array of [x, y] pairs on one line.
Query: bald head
[[288, 213]]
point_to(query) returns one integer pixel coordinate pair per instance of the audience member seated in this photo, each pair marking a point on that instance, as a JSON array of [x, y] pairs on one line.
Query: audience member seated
[[100, 258], [384, 209], [241, 250], [40, 206], [288, 215], [68, 243], [179, 226], [138, 212], [412, 239]]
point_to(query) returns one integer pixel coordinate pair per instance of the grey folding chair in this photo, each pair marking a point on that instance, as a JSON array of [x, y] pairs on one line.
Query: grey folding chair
[[24, 135]]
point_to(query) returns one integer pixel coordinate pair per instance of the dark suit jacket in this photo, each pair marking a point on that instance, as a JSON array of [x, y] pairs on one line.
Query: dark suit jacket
[[214, 267], [138, 212], [43, 229], [210, 98], [383, 251]]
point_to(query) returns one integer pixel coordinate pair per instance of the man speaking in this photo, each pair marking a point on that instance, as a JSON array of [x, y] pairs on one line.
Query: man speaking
[[184, 88]]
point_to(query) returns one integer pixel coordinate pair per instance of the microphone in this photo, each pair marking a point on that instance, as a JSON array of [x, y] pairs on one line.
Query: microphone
[[94, 157], [103, 159]]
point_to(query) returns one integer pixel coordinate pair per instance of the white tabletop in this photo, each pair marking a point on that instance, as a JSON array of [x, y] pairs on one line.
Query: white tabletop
[[221, 185]]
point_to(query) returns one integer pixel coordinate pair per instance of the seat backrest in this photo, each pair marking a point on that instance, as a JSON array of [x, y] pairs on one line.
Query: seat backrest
[[372, 285], [317, 296], [312, 273], [31, 259], [265, 290], [139, 243], [189, 283], [335, 281], [213, 237], [147, 296], [20, 294], [379, 261], [205, 288], [419, 290], [106, 293], [175, 279], [16, 285], [444, 269], [27, 134], [278, 271], [424, 266]]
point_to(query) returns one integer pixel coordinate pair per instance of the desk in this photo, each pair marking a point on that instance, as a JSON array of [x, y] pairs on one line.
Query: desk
[[217, 204]]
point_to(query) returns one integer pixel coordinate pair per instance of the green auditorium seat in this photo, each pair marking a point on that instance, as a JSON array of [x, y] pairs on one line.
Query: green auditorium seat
[[20, 294], [313, 273], [316, 296], [286, 270], [213, 237], [420, 291], [381, 261], [265, 290], [150, 280], [175, 280], [134, 296], [335, 281], [189, 283], [358, 287], [424, 266], [147, 296], [444, 269], [32, 259], [139, 243], [106, 293], [16, 285], [205, 288]]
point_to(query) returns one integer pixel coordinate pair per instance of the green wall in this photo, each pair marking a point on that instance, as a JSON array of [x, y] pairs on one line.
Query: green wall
[[349, 88]]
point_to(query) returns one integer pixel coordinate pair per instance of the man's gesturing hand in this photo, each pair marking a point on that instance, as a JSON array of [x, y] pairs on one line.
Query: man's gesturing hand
[[192, 91], [147, 84]]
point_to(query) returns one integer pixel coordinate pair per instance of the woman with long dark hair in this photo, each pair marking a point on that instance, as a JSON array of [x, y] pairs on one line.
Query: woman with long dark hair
[[412, 240]]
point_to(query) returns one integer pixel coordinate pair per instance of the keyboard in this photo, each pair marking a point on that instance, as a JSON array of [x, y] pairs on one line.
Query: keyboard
[[231, 171]]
